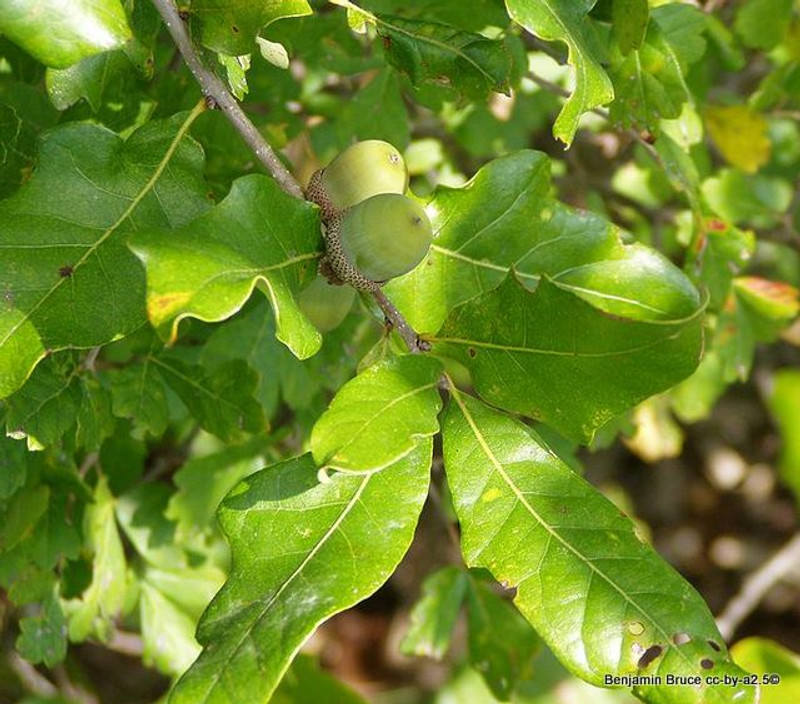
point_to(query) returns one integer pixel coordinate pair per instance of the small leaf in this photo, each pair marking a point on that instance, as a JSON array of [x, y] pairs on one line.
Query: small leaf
[[45, 407], [629, 23], [223, 404], [331, 554], [762, 24], [434, 615], [604, 602], [740, 134], [137, 392], [93, 613], [230, 26], [236, 68], [380, 416], [784, 402], [502, 644], [306, 683], [61, 33], [768, 658], [68, 280], [566, 21], [43, 638], [209, 268], [274, 52]]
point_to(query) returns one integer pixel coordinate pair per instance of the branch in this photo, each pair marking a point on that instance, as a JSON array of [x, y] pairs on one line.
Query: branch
[[398, 322], [757, 585], [213, 88]]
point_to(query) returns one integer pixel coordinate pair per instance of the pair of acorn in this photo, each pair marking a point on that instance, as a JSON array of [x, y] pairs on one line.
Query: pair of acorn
[[373, 231]]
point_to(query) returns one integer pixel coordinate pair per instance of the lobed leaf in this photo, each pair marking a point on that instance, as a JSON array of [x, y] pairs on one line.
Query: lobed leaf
[[231, 26], [302, 552], [68, 279], [258, 235], [603, 600], [566, 21], [380, 416]]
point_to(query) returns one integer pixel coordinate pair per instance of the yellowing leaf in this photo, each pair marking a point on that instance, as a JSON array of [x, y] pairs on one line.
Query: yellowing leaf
[[740, 135]]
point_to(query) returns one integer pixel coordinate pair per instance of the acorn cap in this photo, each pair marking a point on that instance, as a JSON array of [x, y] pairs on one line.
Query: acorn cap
[[363, 170], [385, 236]]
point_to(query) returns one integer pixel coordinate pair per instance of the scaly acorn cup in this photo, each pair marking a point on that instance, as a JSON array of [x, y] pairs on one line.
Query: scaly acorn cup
[[361, 171], [326, 305], [384, 236]]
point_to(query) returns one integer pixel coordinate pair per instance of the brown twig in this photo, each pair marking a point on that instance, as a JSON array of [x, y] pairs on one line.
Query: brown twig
[[214, 90], [757, 585], [398, 322]]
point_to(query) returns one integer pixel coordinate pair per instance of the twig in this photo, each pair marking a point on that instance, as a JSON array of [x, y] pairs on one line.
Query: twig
[[398, 322], [214, 89], [757, 585], [35, 682]]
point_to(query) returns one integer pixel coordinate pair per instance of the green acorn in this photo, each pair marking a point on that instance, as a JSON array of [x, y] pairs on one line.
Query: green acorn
[[363, 170], [325, 304], [384, 236]]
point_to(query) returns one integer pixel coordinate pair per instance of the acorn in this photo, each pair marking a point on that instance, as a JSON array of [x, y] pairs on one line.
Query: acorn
[[384, 236], [326, 305], [361, 171]]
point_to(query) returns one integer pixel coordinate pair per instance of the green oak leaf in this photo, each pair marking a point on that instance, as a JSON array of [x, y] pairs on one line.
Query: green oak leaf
[[505, 218], [566, 21], [303, 550], [230, 26], [439, 54], [380, 416], [763, 23], [434, 616], [137, 392], [629, 23], [221, 402], [648, 84], [306, 683], [43, 637], [13, 465], [46, 406], [68, 279], [60, 33], [93, 613], [502, 645], [258, 235], [553, 356], [603, 600]]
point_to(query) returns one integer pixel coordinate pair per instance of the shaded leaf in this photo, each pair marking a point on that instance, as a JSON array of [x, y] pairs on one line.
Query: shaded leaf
[[629, 23], [380, 416], [434, 615], [302, 551], [68, 280], [43, 637], [61, 33], [93, 613], [440, 55], [230, 26], [94, 420], [137, 392], [13, 465], [306, 683], [763, 23], [208, 269], [603, 601], [222, 403], [502, 644], [566, 21], [45, 407]]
